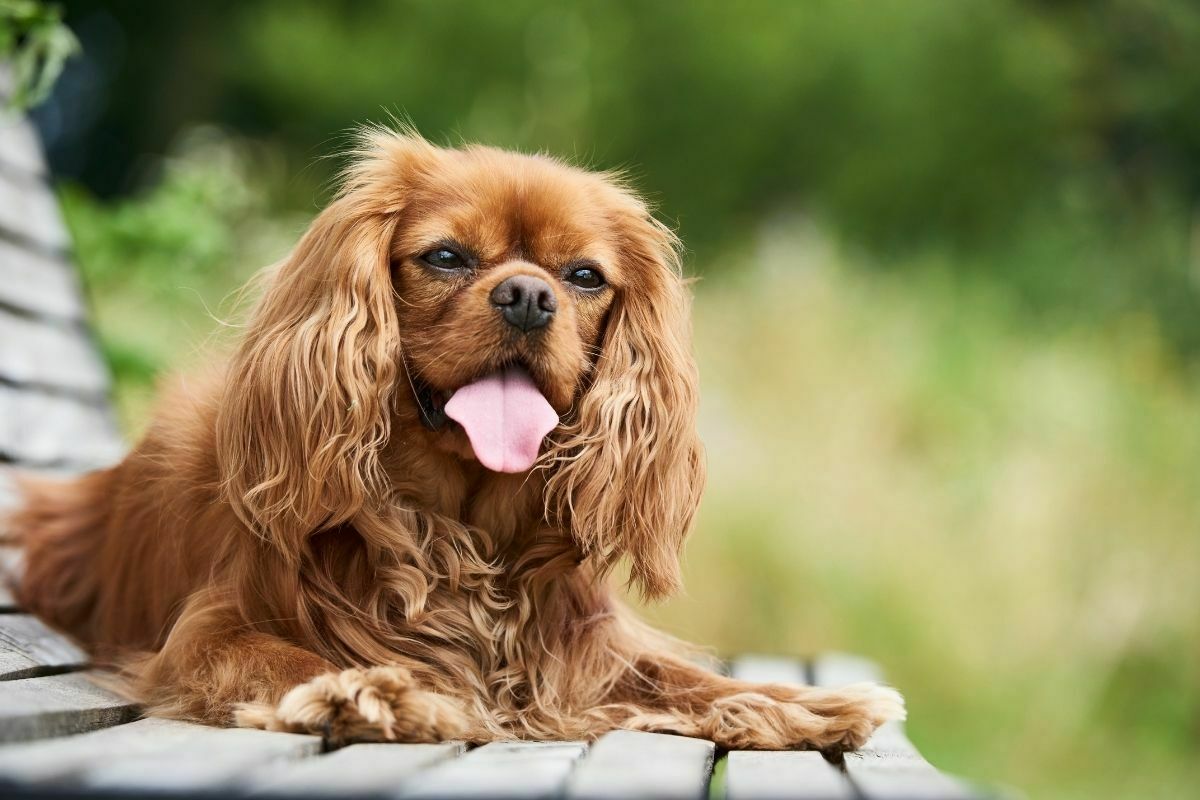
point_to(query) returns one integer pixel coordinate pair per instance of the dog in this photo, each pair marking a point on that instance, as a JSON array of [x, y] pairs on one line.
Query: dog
[[463, 400]]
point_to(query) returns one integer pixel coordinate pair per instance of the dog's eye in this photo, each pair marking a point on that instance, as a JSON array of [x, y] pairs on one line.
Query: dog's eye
[[586, 278], [444, 258]]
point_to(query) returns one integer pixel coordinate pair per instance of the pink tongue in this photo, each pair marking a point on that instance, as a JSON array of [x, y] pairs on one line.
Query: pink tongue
[[505, 417]]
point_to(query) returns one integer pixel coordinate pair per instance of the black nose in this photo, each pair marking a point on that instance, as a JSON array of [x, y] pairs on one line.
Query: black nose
[[526, 302]]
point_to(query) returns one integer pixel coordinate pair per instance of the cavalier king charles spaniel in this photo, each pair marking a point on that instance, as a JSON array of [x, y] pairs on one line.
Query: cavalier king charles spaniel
[[460, 402]]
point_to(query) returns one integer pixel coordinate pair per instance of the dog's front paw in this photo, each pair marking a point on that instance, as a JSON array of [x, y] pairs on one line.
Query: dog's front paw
[[801, 718], [380, 703], [852, 713]]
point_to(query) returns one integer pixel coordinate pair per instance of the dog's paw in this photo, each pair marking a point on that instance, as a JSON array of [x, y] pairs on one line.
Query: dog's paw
[[376, 704], [855, 712], [808, 718]]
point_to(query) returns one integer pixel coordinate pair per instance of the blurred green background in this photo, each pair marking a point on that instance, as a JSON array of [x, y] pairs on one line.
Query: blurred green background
[[948, 321]]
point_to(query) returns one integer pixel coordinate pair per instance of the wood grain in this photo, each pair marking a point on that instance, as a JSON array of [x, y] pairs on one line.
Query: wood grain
[[19, 146], [157, 755], [29, 212], [361, 770], [38, 283], [58, 357], [38, 429], [636, 764], [500, 770], [28, 648], [56, 705], [10, 570], [767, 775]]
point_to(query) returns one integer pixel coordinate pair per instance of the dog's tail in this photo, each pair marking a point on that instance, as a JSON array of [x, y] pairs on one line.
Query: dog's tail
[[59, 526]]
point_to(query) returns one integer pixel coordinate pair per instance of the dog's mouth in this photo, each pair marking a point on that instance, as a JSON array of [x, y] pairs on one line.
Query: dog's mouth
[[431, 403], [504, 413]]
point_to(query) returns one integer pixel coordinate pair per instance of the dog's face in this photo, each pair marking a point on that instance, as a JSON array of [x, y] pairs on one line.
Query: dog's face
[[502, 260], [530, 313]]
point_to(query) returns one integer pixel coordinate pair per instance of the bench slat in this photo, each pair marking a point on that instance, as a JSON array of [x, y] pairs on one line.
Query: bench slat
[[56, 356], [45, 430], [10, 566], [56, 705], [764, 775], [888, 766], [752, 774], [38, 283], [28, 647], [768, 669], [29, 213], [152, 755], [19, 146], [202, 758], [502, 770], [10, 557], [635, 764], [360, 770]]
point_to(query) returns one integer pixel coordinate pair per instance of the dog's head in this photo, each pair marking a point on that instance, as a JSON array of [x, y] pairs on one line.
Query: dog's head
[[514, 309]]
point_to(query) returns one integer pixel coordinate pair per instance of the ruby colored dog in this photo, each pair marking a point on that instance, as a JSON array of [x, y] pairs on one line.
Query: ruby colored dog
[[464, 397]]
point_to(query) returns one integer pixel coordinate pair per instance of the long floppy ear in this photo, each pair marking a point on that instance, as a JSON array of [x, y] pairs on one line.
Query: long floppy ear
[[628, 473], [308, 398]]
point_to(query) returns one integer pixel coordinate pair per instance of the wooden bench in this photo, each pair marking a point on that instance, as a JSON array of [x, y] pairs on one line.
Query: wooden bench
[[62, 735]]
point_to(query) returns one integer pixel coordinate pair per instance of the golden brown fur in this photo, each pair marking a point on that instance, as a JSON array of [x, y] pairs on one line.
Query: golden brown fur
[[289, 547]]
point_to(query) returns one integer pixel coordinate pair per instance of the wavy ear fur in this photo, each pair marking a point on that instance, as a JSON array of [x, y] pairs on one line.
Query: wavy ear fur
[[629, 472], [307, 406]]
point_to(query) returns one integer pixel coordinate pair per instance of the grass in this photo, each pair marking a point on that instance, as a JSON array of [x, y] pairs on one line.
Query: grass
[[1004, 514]]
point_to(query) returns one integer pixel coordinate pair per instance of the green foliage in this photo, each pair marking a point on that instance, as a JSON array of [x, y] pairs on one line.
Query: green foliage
[[35, 44], [1055, 146], [162, 267]]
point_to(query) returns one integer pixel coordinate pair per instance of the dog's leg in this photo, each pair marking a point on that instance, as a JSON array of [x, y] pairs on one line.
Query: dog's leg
[[377, 703], [669, 694], [214, 669]]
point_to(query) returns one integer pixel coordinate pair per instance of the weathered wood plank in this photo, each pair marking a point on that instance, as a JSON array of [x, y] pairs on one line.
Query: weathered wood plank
[[19, 145], [889, 766], [44, 430], [9, 496], [10, 569], [38, 283], [769, 669], [766, 775], [10, 557], [153, 755], [750, 774], [840, 669], [48, 355], [501, 770], [636, 764], [29, 211], [28, 648], [902, 776], [204, 760], [56, 705], [360, 770]]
